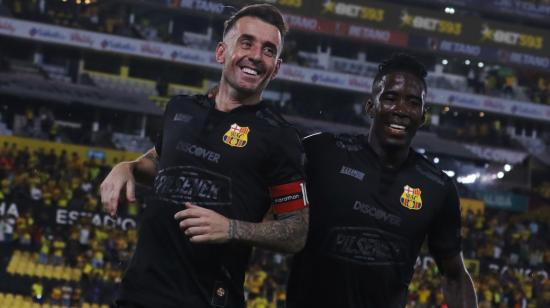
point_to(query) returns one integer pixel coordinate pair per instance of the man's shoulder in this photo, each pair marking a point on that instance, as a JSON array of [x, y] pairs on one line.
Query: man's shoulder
[[183, 99], [272, 118], [344, 142], [428, 169]]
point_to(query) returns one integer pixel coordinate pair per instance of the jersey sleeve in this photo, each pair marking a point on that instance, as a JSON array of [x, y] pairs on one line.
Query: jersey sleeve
[[286, 177], [160, 133], [158, 142], [444, 239]]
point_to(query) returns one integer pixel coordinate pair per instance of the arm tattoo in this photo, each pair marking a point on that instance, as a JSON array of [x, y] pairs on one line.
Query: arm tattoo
[[287, 234]]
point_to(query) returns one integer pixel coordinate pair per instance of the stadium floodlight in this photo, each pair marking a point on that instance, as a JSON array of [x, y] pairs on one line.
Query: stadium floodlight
[[436, 160], [468, 179], [467, 62], [450, 173], [449, 10], [444, 61], [500, 174], [507, 167], [480, 64]]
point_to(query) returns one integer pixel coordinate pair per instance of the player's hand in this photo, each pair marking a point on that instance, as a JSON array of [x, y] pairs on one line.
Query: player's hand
[[203, 225], [120, 178]]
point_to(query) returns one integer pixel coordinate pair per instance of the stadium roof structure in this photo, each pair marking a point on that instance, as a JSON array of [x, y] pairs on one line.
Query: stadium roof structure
[[37, 87]]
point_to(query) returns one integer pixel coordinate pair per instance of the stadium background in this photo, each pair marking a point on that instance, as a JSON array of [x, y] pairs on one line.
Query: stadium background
[[83, 84]]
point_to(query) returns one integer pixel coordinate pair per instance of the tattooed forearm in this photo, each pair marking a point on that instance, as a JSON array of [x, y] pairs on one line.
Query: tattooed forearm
[[286, 235]]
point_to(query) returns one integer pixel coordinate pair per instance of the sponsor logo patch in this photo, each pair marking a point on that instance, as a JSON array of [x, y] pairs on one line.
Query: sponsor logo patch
[[198, 151], [192, 184], [236, 136], [182, 117], [352, 172], [377, 213], [366, 246], [410, 198]]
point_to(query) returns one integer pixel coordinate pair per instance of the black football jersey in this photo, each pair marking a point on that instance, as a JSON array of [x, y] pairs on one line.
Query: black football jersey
[[240, 164], [367, 224]]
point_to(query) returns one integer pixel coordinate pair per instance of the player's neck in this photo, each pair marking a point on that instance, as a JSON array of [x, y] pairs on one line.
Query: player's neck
[[228, 98], [390, 157]]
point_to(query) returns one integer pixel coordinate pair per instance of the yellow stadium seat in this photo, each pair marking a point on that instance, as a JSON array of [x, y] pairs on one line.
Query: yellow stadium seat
[[57, 272], [66, 274], [26, 304], [48, 271], [76, 274], [30, 269], [40, 269], [9, 298], [85, 305]]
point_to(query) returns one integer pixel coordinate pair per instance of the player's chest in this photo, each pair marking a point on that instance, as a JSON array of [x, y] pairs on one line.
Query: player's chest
[[358, 193], [215, 141]]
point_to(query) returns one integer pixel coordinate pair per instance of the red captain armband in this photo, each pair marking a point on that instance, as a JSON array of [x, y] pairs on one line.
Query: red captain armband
[[288, 197]]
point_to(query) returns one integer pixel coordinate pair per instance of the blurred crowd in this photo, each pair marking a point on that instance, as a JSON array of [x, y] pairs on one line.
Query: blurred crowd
[[33, 186], [507, 254]]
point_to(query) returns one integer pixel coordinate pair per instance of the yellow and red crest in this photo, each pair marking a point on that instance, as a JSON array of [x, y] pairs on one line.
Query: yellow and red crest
[[410, 198], [236, 136]]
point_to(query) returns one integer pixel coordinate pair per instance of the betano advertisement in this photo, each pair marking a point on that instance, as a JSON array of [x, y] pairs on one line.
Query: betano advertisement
[[469, 29], [403, 26], [168, 52]]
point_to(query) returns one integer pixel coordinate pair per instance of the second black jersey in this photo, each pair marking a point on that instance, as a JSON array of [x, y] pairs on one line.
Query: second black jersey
[[367, 224], [239, 164]]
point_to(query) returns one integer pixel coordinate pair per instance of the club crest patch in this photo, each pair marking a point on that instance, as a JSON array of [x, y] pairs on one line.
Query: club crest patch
[[236, 136], [410, 198]]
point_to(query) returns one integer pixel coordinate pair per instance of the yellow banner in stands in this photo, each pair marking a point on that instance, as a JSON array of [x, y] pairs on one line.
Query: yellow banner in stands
[[110, 155], [474, 205]]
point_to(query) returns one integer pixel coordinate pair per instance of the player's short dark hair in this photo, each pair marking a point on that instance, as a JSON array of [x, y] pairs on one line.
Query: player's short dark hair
[[400, 62], [266, 12]]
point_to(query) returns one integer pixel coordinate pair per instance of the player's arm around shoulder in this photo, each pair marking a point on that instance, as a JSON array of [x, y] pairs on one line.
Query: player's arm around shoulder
[[123, 177], [285, 233]]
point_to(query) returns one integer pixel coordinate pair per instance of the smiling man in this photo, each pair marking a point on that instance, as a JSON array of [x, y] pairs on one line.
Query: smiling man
[[219, 166], [373, 202]]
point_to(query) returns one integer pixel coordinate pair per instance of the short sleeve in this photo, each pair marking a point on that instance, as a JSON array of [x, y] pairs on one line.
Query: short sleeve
[[313, 145], [444, 239], [286, 173], [158, 142], [160, 133]]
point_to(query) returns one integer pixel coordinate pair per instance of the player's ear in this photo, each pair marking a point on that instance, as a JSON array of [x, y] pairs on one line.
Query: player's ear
[[369, 108], [220, 52], [277, 66], [425, 111]]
